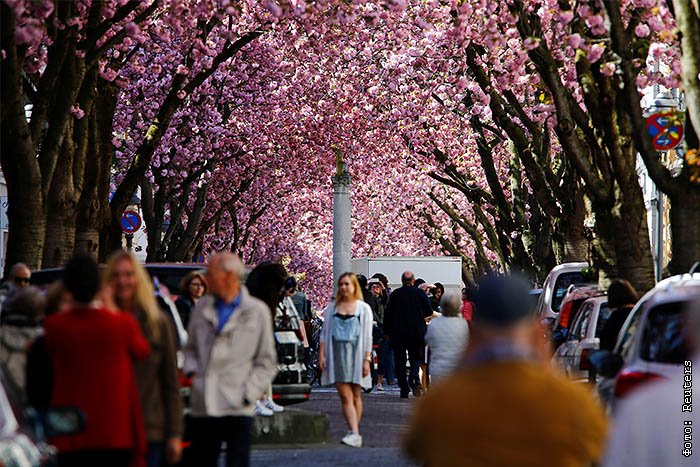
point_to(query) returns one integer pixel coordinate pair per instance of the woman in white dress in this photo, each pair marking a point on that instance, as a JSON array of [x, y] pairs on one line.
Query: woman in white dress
[[345, 351]]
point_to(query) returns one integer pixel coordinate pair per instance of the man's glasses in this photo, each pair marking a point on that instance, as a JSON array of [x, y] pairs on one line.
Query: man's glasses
[[22, 280]]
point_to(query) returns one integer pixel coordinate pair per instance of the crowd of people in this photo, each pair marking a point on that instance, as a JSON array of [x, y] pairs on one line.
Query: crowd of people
[[98, 341]]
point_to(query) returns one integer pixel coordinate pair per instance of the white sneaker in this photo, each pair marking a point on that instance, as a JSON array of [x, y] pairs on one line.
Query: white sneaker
[[270, 404], [260, 409], [352, 439], [380, 388]]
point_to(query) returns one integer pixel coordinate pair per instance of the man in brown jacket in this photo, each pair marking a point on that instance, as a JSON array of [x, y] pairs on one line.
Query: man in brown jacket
[[505, 406], [231, 357]]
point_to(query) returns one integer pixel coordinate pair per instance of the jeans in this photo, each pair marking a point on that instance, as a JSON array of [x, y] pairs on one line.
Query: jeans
[[415, 357], [155, 454], [207, 435], [386, 361]]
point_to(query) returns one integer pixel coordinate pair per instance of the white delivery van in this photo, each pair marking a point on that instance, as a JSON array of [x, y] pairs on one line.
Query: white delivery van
[[444, 269]]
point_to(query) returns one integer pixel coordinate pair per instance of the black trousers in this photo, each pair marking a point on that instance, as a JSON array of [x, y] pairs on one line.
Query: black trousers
[[207, 435], [93, 458], [415, 357]]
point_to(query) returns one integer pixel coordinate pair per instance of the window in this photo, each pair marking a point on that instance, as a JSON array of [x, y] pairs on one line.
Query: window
[[575, 333], [663, 339], [603, 316], [562, 284], [624, 343]]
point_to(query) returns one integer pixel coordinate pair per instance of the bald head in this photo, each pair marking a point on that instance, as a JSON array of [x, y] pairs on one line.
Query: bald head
[[407, 278], [225, 272], [20, 275]]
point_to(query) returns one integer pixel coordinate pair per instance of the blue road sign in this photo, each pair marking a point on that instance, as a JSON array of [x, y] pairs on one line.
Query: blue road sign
[[130, 222]]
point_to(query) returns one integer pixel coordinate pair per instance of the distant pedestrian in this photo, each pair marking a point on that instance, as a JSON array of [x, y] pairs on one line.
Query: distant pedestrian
[[504, 405], [447, 337], [621, 299], [467, 304], [91, 350], [193, 287], [20, 324], [386, 290], [654, 425], [301, 303], [19, 277], [404, 323], [230, 354], [156, 376], [388, 367], [345, 351], [378, 338], [436, 291]]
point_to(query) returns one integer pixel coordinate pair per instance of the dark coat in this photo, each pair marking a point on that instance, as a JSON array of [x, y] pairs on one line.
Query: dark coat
[[404, 316], [375, 305], [608, 336]]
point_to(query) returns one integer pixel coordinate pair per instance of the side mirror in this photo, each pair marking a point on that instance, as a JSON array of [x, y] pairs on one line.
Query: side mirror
[[60, 421], [606, 363]]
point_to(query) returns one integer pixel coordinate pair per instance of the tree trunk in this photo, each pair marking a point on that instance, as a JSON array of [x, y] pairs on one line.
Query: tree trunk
[[685, 230], [573, 239], [621, 246]]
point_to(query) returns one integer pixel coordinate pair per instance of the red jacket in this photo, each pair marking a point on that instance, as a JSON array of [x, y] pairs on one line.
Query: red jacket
[[92, 351]]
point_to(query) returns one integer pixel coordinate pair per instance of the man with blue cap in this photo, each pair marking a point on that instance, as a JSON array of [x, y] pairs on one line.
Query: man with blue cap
[[504, 405]]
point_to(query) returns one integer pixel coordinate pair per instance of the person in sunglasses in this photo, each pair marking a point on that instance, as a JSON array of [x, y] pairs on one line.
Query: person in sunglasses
[[19, 277]]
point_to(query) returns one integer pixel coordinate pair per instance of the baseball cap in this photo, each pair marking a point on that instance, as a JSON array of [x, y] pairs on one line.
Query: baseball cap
[[503, 300]]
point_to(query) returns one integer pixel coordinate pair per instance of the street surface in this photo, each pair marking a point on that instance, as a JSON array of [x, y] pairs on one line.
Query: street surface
[[385, 418]]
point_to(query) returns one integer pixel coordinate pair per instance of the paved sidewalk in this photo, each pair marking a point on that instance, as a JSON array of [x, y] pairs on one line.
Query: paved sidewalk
[[385, 418]]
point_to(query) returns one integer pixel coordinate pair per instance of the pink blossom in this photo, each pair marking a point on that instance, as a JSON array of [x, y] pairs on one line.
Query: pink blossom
[[596, 52], [576, 41], [182, 70], [531, 43], [608, 69], [642, 30], [181, 94], [77, 111], [273, 8]]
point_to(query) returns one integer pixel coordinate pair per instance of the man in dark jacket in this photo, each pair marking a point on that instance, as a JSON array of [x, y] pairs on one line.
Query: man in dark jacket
[[404, 323]]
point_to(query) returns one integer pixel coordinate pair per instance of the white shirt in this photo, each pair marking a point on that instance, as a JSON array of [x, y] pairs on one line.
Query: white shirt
[[649, 426], [447, 338]]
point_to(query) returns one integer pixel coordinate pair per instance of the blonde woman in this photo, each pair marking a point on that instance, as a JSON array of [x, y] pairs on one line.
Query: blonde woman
[[132, 292], [345, 351]]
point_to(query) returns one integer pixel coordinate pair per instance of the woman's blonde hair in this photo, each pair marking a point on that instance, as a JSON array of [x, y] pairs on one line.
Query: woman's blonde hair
[[353, 279], [145, 298]]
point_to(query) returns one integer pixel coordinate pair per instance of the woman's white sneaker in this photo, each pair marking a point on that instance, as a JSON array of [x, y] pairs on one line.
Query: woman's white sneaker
[[270, 404], [260, 409], [352, 439]]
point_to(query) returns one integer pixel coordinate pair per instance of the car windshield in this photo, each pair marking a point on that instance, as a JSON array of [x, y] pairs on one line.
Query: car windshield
[[663, 340], [562, 284]]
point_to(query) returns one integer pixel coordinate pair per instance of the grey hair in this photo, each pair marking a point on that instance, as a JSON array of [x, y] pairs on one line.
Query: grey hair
[[17, 267], [451, 303], [230, 262]]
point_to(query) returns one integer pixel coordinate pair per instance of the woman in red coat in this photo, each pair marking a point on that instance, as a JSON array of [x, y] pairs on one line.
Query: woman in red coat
[[92, 351]]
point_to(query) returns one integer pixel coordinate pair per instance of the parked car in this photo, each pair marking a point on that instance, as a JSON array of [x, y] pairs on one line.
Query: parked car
[[583, 338], [555, 286], [23, 434], [570, 305], [651, 344]]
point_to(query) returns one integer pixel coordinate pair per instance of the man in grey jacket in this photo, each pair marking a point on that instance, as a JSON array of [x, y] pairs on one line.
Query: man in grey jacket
[[231, 357]]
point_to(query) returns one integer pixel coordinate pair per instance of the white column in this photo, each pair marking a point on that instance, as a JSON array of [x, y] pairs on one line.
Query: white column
[[342, 232]]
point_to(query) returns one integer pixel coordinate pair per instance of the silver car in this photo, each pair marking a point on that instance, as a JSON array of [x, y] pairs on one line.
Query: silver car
[[583, 338], [651, 344], [555, 287]]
